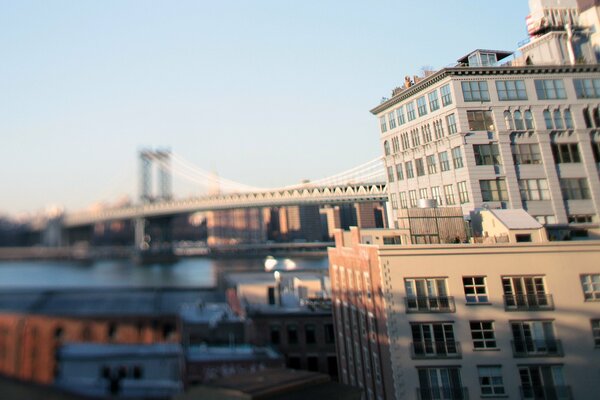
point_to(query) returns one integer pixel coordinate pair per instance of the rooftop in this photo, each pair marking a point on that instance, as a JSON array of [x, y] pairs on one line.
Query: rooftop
[[516, 219]]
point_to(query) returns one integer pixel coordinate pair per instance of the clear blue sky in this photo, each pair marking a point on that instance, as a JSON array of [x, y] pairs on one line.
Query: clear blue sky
[[263, 92]]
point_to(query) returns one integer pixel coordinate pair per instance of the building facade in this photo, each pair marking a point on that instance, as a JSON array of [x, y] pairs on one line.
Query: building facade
[[520, 321]]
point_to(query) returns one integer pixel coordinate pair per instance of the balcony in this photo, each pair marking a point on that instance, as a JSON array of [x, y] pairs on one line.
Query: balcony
[[443, 393], [427, 304], [528, 302], [546, 392], [537, 348], [428, 349]]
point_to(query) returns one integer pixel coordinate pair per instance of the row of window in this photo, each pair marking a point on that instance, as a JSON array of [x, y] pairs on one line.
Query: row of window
[[448, 198], [478, 91], [310, 334]]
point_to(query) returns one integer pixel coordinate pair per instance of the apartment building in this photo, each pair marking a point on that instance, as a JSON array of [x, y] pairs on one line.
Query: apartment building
[[502, 132], [466, 321]]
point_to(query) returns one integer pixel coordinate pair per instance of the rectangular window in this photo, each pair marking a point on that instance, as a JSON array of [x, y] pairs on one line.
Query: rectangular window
[[475, 91], [423, 193], [534, 189], [587, 88], [451, 121], [565, 153], [511, 90], [550, 89], [420, 167], [596, 332], [390, 174], [591, 287], [575, 189], [275, 335], [400, 115], [431, 164], [399, 172], [483, 335], [457, 158], [475, 289], [415, 138], [486, 154], [393, 200], [383, 124], [440, 383], [433, 340], [427, 294], [490, 381], [543, 382], [438, 128], [392, 120], [433, 100], [435, 193], [480, 121], [463, 193], [523, 293], [405, 140], [409, 170], [292, 333], [444, 162], [534, 338], [310, 333], [493, 190], [426, 131], [412, 195], [403, 202], [421, 106], [526, 153], [410, 111], [446, 95], [449, 194]]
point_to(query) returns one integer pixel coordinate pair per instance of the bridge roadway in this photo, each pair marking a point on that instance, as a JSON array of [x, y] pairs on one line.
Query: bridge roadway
[[303, 195]]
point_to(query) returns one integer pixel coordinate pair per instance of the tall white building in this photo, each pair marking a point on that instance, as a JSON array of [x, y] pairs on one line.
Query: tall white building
[[503, 131]]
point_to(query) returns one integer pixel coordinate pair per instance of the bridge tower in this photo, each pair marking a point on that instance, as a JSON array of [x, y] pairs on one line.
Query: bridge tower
[[162, 160]]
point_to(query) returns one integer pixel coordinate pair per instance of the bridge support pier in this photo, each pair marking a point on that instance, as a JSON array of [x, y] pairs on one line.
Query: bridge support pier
[[140, 233]]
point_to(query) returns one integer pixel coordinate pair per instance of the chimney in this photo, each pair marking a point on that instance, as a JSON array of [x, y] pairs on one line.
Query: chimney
[[407, 81]]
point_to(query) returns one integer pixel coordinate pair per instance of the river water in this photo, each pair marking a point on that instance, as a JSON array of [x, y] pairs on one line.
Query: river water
[[186, 273]]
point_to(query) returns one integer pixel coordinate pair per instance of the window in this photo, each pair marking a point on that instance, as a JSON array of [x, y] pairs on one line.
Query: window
[[310, 333], [409, 170], [329, 333], [440, 383], [574, 189], [463, 193], [526, 153], [486, 154], [580, 218], [548, 119], [444, 162], [529, 120], [414, 137], [438, 128], [480, 120], [519, 123], [534, 338], [449, 194], [405, 141], [596, 332], [490, 380], [403, 202], [420, 167], [275, 335], [511, 90], [534, 189], [435, 193], [383, 124], [399, 172], [410, 111], [390, 174], [433, 340], [596, 151], [423, 193], [558, 122], [400, 115], [392, 120], [427, 295], [550, 89], [433, 100], [568, 119], [446, 95], [493, 190], [431, 165], [426, 131], [508, 121], [591, 287], [292, 332], [421, 106], [312, 363], [587, 88], [525, 293], [457, 158], [393, 200], [395, 144], [451, 121], [483, 335], [386, 148], [543, 382], [475, 290], [475, 91], [412, 195], [565, 153]]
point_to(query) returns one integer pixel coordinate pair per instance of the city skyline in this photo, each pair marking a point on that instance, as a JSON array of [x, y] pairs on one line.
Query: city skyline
[[88, 86]]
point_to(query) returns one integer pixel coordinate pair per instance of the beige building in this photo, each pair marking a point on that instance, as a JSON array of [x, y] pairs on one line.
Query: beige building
[[458, 321], [497, 131]]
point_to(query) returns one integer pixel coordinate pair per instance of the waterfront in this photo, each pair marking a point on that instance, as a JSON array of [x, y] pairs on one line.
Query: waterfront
[[186, 273]]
